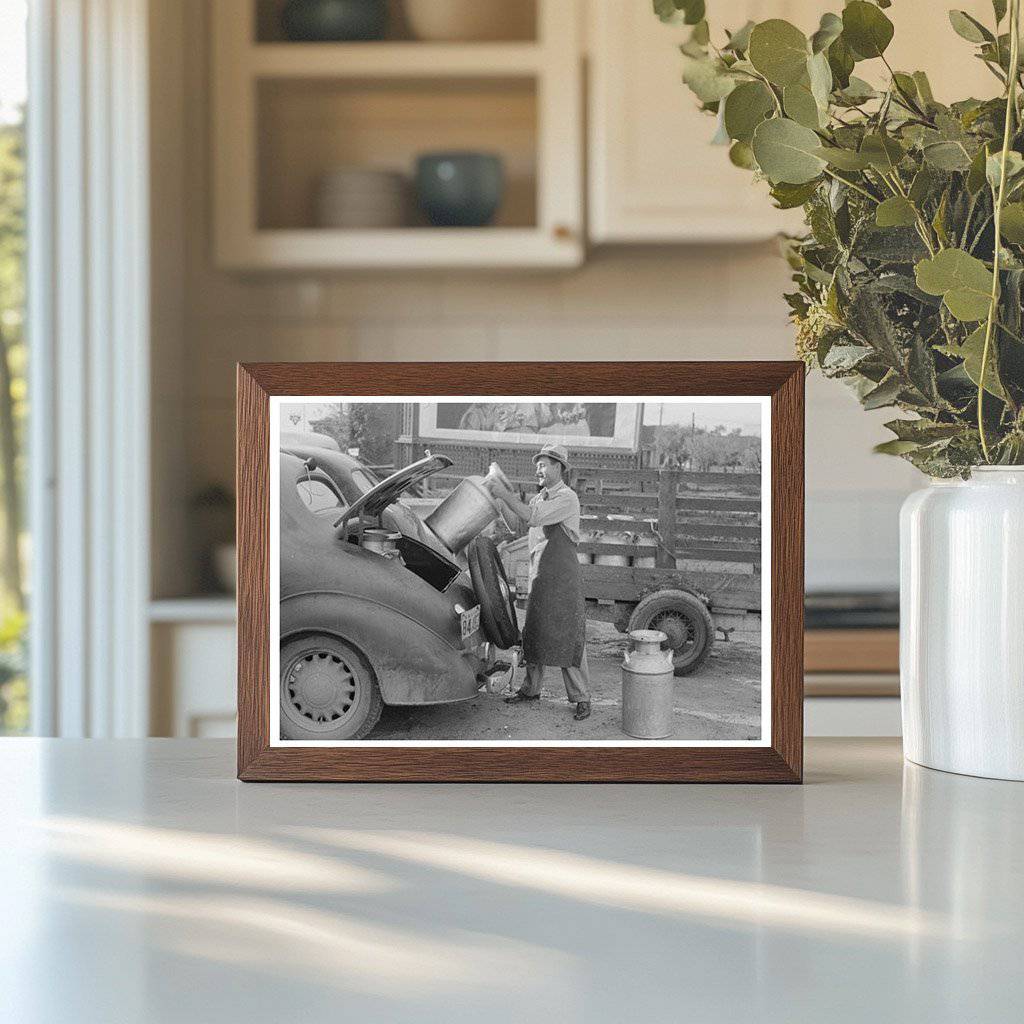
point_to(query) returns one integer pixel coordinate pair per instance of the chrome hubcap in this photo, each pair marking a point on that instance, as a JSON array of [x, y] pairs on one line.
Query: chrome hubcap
[[320, 689]]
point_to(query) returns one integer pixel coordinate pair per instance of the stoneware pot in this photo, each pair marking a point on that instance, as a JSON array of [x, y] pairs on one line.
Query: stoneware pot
[[470, 20], [460, 189], [962, 624], [332, 21]]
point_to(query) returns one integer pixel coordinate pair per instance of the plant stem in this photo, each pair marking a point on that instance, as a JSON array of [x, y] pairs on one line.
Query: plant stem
[[1011, 108], [853, 185]]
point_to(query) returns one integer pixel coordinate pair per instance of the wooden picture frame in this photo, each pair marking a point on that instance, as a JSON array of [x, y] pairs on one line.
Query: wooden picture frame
[[779, 759]]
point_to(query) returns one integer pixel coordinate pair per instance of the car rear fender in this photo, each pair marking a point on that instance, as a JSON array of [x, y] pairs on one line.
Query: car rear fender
[[413, 665]]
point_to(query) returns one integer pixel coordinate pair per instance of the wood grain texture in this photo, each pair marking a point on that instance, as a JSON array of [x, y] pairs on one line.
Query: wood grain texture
[[852, 650], [781, 762]]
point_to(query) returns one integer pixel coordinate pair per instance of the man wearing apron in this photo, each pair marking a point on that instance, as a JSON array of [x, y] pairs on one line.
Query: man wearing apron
[[555, 630]]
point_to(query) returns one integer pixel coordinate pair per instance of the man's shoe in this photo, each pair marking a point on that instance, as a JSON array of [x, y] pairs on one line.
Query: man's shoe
[[519, 697], [582, 710]]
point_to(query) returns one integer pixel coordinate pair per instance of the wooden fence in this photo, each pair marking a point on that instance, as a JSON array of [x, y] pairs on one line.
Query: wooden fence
[[713, 517]]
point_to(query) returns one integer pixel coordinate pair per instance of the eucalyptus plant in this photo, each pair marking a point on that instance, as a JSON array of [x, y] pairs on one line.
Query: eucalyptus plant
[[910, 278]]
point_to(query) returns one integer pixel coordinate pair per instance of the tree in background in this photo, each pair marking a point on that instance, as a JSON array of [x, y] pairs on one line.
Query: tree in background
[[373, 430], [334, 425], [13, 410], [703, 450]]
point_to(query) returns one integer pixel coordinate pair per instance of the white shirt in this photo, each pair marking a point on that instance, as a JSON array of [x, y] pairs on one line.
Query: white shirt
[[557, 504]]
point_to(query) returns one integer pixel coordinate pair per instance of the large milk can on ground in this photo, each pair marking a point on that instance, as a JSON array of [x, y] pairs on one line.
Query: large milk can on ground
[[647, 687]]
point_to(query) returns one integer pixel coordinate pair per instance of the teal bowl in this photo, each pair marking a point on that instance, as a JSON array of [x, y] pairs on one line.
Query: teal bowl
[[334, 21], [460, 189]]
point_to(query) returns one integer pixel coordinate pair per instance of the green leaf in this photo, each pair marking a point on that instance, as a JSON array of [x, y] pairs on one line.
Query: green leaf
[[829, 30], [1011, 226], [922, 185], [969, 28], [857, 91], [788, 197], [866, 29], [923, 431], [999, 9], [707, 78], [844, 159], [924, 88], [947, 156], [779, 51], [741, 155], [786, 151], [819, 75], [895, 447], [976, 173], [895, 212], [840, 61], [883, 152], [690, 12], [939, 220], [971, 352], [701, 34], [963, 281], [739, 41], [993, 167], [745, 108], [885, 394], [801, 106]]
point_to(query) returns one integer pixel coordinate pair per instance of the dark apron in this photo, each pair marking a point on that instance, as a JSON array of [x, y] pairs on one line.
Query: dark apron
[[555, 629]]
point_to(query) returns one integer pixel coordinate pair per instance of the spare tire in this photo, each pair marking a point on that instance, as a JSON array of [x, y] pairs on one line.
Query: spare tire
[[496, 597]]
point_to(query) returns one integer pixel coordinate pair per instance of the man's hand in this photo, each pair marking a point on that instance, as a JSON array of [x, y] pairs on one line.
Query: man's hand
[[501, 492]]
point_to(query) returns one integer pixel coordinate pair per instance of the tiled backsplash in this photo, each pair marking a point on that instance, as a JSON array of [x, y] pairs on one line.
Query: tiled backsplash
[[651, 304]]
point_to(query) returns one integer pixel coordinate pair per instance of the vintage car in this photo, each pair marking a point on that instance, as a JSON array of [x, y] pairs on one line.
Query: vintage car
[[374, 609]]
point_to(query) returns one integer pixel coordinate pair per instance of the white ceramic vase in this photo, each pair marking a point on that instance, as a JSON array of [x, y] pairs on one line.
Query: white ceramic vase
[[962, 624]]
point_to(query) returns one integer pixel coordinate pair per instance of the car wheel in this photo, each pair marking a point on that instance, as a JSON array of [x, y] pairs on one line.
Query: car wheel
[[496, 597], [684, 619], [328, 690]]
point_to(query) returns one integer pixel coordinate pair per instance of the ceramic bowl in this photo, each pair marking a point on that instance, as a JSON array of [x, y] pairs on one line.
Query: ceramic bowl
[[332, 21], [460, 189]]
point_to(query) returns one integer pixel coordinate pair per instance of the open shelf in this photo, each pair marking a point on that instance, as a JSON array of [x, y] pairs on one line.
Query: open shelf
[[520, 24], [387, 60], [308, 127]]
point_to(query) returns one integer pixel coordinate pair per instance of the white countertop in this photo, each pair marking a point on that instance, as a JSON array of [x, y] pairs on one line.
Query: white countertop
[[141, 882]]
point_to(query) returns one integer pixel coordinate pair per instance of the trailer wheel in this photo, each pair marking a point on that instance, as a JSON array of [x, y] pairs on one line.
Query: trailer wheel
[[684, 619]]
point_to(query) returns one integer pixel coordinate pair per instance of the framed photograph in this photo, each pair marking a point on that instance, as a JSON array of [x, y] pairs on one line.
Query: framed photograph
[[520, 571]]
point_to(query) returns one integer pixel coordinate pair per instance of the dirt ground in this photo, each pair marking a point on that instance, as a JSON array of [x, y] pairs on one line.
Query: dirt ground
[[722, 701]]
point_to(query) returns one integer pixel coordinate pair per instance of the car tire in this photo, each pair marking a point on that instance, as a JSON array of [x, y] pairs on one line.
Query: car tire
[[328, 690], [685, 619], [496, 597]]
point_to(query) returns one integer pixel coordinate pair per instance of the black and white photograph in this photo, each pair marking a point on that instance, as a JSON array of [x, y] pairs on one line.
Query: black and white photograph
[[530, 570]]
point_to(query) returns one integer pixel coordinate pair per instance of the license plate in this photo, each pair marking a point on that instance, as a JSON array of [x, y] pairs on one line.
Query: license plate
[[470, 621]]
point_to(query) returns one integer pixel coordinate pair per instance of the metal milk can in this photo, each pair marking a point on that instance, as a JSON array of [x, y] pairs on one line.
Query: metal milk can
[[467, 511], [587, 536], [647, 687], [619, 536], [648, 560]]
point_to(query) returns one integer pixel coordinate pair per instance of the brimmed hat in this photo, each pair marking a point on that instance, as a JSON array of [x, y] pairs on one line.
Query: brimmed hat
[[558, 452]]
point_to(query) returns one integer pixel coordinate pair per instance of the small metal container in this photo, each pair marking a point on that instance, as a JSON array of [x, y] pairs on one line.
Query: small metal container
[[381, 542], [647, 687]]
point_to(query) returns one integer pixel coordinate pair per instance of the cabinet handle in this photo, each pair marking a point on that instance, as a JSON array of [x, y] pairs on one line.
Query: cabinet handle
[[562, 232]]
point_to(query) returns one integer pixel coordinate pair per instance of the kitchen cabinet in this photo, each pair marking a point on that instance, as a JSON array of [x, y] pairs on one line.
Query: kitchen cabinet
[[654, 177], [286, 114]]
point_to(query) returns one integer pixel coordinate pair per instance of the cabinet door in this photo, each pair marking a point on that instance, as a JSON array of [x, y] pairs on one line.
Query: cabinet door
[[654, 176]]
